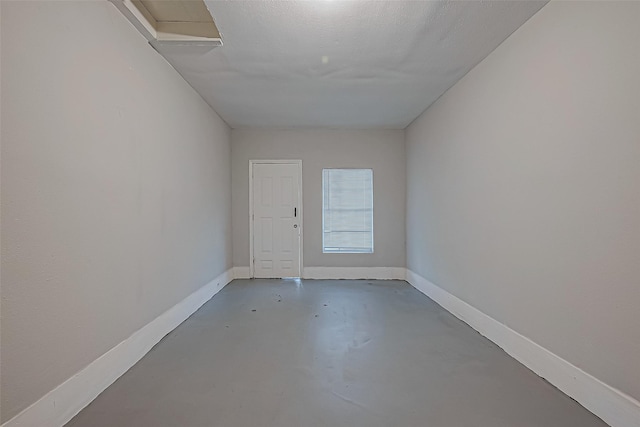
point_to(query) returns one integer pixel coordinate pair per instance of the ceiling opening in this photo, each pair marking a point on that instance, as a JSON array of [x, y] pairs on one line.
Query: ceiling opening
[[174, 22]]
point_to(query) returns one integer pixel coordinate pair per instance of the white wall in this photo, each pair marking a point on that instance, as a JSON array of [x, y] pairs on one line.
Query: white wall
[[381, 150], [524, 187], [116, 185]]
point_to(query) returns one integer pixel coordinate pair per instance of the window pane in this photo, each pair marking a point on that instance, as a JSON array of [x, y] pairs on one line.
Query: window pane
[[347, 215]]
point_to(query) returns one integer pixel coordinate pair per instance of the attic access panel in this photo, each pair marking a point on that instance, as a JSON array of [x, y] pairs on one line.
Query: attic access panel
[[172, 22]]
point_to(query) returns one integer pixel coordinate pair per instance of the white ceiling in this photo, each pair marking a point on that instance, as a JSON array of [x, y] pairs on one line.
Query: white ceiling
[[341, 64]]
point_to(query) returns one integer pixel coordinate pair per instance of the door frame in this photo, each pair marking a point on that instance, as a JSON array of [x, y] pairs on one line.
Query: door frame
[[251, 211]]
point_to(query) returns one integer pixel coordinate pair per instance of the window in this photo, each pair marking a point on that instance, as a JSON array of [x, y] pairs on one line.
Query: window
[[347, 210]]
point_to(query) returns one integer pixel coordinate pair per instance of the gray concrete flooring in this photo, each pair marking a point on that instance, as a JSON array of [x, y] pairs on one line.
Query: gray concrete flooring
[[328, 353]]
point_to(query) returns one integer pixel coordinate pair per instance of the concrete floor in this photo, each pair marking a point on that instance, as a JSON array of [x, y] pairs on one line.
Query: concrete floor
[[311, 353]]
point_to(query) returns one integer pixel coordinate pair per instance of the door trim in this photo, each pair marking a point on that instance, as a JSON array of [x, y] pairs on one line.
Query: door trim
[[251, 212]]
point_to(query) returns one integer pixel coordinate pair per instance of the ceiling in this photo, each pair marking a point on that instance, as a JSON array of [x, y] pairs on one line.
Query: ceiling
[[341, 64]]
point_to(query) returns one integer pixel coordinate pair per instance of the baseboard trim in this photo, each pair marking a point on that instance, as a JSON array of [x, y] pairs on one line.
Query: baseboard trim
[[61, 404], [382, 273], [241, 272], [611, 405]]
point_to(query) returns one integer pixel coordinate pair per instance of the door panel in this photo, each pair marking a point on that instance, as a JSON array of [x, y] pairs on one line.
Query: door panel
[[276, 225]]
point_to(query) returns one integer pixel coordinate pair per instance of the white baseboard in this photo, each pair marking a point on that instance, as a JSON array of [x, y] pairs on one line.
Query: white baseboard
[[382, 273], [61, 404], [611, 405], [242, 272]]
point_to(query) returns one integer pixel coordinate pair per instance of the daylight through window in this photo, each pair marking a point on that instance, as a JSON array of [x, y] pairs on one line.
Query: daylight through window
[[347, 214]]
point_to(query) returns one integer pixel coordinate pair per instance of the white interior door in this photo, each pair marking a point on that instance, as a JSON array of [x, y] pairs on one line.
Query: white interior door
[[276, 220]]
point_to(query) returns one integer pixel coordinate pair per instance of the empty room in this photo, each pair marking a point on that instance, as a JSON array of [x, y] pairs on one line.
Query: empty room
[[319, 213]]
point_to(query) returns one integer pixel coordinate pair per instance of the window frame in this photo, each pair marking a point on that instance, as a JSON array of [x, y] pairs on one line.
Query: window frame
[[348, 251]]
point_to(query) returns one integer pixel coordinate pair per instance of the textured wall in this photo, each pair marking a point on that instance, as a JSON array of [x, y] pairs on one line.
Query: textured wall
[[383, 151], [115, 191], [523, 187]]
